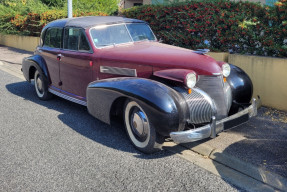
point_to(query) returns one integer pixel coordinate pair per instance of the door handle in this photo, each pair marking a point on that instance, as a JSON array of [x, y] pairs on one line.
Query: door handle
[[59, 57]]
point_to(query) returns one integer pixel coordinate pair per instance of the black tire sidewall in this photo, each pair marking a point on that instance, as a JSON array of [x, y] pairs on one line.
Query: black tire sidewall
[[46, 94]]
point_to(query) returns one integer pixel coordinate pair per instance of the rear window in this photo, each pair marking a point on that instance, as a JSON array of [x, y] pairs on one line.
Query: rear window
[[53, 38]]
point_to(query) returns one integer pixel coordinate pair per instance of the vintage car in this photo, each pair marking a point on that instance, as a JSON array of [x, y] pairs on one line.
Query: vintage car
[[116, 67]]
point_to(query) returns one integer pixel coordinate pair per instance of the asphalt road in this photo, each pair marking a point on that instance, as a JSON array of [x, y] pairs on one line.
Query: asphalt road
[[57, 146]]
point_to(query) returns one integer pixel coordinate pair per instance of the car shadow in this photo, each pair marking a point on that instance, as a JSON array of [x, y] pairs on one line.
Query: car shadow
[[77, 118]]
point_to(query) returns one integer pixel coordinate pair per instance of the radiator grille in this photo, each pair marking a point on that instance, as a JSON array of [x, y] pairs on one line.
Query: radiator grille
[[218, 91], [200, 108]]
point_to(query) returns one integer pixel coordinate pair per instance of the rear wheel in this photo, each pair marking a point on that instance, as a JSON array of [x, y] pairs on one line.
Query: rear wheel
[[41, 86], [140, 131]]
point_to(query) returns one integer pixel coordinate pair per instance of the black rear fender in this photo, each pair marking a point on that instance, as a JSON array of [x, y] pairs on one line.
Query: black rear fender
[[166, 109], [30, 64]]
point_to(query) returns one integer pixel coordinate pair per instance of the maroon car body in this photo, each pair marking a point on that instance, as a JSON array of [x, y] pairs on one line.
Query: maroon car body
[[116, 67]]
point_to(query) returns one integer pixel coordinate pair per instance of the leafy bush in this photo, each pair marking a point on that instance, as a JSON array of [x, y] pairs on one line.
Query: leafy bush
[[28, 17], [55, 3], [107, 6], [239, 27]]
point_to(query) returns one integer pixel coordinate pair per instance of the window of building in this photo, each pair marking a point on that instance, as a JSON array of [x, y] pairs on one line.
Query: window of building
[[138, 4]]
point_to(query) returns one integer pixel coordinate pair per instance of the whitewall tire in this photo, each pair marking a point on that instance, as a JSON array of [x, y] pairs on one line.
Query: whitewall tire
[[139, 129]]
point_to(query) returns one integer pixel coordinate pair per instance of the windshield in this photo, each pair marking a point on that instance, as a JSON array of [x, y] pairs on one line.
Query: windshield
[[106, 35]]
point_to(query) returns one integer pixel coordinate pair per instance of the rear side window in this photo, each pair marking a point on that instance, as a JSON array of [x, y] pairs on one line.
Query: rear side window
[[75, 39], [53, 38]]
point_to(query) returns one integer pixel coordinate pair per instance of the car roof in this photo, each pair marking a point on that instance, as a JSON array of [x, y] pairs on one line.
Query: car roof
[[87, 22]]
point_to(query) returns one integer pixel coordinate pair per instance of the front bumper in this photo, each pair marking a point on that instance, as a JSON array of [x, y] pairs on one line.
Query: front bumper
[[215, 127]]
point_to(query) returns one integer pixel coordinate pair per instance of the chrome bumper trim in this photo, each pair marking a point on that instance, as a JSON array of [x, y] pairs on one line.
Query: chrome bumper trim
[[214, 127]]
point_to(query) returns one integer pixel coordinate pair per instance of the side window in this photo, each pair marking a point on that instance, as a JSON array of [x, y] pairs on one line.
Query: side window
[[75, 39], [53, 38]]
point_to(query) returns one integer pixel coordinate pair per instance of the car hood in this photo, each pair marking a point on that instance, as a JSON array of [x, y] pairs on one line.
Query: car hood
[[160, 56]]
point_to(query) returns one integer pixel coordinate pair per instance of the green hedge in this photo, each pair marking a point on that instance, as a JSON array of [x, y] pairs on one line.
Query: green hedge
[[32, 23], [27, 17], [238, 27]]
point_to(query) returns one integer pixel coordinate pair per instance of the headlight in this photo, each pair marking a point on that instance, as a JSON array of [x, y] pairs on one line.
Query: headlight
[[225, 70], [190, 80]]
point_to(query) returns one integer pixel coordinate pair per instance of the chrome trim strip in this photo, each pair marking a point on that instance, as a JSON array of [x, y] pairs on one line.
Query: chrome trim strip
[[201, 51], [68, 97], [118, 71], [208, 130]]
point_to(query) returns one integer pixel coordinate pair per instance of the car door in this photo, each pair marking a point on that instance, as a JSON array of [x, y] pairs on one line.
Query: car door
[[52, 43], [76, 63]]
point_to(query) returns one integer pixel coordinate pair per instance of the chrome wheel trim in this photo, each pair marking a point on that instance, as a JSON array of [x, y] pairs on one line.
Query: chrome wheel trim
[[137, 124], [38, 84]]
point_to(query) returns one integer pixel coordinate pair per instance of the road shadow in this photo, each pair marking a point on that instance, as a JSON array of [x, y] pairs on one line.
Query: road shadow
[[77, 118]]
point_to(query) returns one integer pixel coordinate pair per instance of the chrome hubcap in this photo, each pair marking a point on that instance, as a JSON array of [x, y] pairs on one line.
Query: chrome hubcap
[[39, 84], [139, 124]]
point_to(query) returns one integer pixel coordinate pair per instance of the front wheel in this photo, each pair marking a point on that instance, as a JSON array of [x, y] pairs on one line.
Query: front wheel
[[139, 129], [41, 86]]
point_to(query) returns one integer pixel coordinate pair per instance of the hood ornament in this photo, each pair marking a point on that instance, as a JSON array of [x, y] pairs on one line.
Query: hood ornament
[[201, 51]]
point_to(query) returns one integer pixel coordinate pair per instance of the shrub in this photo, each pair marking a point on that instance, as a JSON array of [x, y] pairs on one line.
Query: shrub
[[238, 27], [33, 23], [28, 17]]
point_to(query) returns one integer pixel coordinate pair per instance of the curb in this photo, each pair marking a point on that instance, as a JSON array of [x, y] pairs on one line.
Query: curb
[[258, 173]]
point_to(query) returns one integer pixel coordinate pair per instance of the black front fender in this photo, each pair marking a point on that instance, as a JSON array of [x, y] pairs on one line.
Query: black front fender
[[241, 88], [166, 109]]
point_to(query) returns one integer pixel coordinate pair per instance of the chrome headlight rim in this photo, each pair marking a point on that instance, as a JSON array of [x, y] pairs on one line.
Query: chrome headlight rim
[[190, 80], [226, 69]]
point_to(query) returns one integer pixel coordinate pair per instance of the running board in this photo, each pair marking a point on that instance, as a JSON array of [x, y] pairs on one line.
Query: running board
[[78, 101]]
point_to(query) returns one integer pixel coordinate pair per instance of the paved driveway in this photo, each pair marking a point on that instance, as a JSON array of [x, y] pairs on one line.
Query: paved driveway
[[58, 146]]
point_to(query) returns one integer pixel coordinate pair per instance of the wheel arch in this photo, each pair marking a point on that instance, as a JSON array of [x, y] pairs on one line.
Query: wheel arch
[[32, 71], [116, 110]]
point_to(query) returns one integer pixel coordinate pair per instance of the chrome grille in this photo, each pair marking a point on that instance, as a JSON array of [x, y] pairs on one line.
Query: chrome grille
[[201, 108], [220, 93]]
